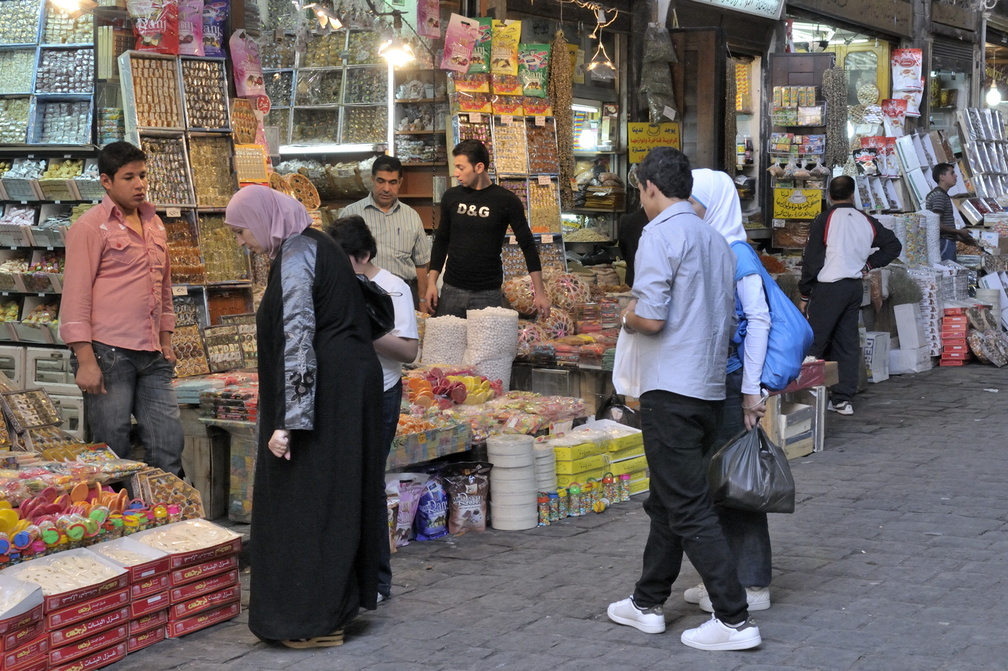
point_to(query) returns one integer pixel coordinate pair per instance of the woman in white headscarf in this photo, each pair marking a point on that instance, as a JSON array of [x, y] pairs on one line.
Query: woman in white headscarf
[[716, 201]]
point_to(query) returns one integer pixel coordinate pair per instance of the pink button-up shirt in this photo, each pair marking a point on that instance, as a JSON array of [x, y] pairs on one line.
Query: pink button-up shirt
[[117, 285]]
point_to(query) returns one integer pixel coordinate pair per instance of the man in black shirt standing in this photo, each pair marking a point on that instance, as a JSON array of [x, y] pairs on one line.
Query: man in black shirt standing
[[475, 216], [938, 201]]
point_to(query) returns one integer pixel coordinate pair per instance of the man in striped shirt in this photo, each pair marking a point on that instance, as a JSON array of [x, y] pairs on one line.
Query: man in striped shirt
[[403, 246]]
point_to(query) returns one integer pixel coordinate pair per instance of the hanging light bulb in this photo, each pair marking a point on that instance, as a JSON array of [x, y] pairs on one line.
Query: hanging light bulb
[[993, 95], [395, 50], [601, 66], [74, 8]]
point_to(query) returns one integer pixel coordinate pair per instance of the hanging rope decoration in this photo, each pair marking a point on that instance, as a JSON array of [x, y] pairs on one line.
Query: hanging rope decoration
[[731, 125], [835, 95], [562, 94]]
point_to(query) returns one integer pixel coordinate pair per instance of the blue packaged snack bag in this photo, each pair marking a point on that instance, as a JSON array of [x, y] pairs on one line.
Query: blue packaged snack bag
[[215, 16], [432, 511]]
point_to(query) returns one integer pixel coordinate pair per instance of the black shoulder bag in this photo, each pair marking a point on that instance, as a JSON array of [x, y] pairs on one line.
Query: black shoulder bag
[[378, 303]]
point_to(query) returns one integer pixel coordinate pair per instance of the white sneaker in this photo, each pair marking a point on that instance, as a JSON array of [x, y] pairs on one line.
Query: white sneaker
[[715, 635], [841, 407], [758, 598], [695, 594], [649, 620]]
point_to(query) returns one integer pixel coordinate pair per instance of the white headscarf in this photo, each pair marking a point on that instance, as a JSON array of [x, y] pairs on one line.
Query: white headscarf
[[715, 190]]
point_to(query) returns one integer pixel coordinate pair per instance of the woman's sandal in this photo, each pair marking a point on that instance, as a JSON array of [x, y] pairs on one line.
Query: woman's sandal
[[329, 641]]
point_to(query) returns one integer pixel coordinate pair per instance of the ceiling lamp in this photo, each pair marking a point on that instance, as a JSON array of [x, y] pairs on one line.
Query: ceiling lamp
[[993, 95], [395, 50], [601, 66], [327, 18]]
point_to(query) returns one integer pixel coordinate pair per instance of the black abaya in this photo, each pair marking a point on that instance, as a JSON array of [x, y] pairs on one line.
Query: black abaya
[[317, 519]]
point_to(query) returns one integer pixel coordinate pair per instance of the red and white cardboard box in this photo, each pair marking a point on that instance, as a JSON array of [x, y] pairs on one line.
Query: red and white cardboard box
[[100, 640], [63, 599], [205, 602], [157, 563], [26, 655], [148, 604], [150, 586], [16, 639], [40, 663], [201, 587], [144, 639], [95, 660], [232, 546], [26, 612], [76, 632], [148, 622], [91, 608], [190, 574], [202, 620]]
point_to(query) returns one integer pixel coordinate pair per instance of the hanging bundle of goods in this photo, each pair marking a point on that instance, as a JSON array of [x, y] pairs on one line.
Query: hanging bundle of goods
[[561, 92]]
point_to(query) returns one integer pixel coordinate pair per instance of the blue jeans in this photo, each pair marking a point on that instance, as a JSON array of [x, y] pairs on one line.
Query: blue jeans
[[455, 301], [138, 384], [678, 440], [391, 400], [746, 532]]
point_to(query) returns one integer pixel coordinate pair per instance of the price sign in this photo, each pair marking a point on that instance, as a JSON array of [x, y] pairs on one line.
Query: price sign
[[797, 203], [540, 120], [173, 212], [512, 240], [544, 180], [507, 119], [263, 104], [546, 238], [179, 291], [475, 117], [642, 137]]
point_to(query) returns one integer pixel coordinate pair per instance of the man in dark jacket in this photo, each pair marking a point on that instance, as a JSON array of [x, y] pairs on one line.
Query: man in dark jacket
[[843, 245]]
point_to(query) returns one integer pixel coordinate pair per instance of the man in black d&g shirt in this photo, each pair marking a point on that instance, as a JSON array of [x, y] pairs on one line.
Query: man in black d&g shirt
[[474, 220]]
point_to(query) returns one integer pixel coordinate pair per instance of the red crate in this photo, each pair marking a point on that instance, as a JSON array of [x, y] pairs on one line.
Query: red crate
[[21, 636], [148, 622], [202, 620], [150, 586], [147, 638], [148, 604], [26, 655], [95, 660], [100, 640], [211, 584], [189, 574], [89, 609], [205, 602], [75, 632]]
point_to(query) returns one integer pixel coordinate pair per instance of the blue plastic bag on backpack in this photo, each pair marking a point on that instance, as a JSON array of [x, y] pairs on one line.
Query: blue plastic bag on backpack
[[790, 334]]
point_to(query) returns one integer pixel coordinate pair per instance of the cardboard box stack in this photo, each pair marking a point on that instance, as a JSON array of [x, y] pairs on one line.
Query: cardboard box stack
[[24, 642], [196, 601], [955, 328], [87, 608], [914, 353], [603, 446], [930, 306]]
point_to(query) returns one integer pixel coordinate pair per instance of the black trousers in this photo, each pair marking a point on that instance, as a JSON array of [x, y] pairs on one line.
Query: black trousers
[[678, 440], [833, 314]]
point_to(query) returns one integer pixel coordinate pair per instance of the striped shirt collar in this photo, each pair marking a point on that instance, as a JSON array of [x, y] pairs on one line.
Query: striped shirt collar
[[371, 203]]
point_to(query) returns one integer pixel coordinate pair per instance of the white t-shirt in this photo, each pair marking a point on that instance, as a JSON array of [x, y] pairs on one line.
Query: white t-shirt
[[405, 321]]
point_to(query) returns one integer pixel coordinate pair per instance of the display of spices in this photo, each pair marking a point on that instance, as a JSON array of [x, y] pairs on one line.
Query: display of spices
[[544, 206], [365, 124], [63, 28], [167, 173], [14, 120], [213, 178], [366, 85], [509, 138], [63, 122], [544, 158], [324, 50], [225, 261], [316, 87], [278, 88], [156, 92], [17, 68], [205, 87], [315, 125], [19, 21], [362, 47]]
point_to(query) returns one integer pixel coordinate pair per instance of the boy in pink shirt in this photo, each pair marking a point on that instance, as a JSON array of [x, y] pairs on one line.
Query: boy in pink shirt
[[117, 314]]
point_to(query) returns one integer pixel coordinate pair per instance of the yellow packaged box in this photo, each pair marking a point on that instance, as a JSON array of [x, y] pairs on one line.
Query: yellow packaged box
[[627, 453], [580, 478], [575, 452], [628, 465], [640, 485], [596, 462]]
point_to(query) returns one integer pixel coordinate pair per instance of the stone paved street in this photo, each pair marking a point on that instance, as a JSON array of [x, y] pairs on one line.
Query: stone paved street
[[896, 559]]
